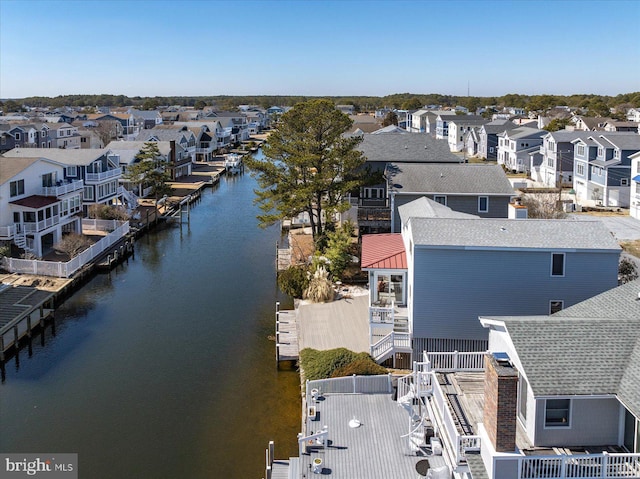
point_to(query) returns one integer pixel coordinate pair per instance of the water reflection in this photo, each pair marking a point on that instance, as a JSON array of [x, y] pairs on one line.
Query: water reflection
[[163, 368]]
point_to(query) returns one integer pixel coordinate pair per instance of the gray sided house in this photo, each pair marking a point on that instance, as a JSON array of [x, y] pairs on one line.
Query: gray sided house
[[557, 151], [488, 133], [374, 213], [481, 190], [579, 371], [460, 269]]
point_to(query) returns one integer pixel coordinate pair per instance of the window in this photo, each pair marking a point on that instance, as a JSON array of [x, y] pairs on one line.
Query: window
[[522, 398], [557, 264], [580, 150], [71, 171], [624, 181], [483, 204], [88, 193], [600, 151], [579, 169], [557, 413], [440, 199], [17, 136], [16, 188], [491, 149], [556, 305]]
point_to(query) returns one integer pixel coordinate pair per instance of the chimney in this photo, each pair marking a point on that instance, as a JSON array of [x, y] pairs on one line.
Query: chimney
[[500, 401]]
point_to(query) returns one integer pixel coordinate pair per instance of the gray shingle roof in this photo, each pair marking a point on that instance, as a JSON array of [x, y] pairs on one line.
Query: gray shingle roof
[[590, 348], [406, 148], [630, 141], [492, 233], [67, 157], [449, 178], [425, 208]]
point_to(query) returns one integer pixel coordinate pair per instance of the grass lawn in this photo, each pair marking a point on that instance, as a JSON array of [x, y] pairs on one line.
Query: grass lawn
[[631, 247]]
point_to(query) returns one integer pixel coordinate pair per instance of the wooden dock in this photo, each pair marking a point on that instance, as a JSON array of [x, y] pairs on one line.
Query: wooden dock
[[286, 335]]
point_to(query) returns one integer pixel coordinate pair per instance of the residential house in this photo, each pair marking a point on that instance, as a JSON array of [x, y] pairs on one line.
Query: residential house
[[603, 168], [488, 134], [459, 268], [458, 126], [185, 151], [556, 168], [89, 139], [442, 124], [211, 137], [130, 127], [147, 119], [584, 123], [573, 404], [99, 172], [418, 121], [346, 109], [634, 208], [372, 202], [633, 114], [515, 145], [613, 125], [235, 122], [481, 190], [38, 203], [63, 135], [364, 123]]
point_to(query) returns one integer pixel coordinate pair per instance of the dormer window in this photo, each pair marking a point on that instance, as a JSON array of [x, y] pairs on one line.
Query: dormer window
[[600, 151]]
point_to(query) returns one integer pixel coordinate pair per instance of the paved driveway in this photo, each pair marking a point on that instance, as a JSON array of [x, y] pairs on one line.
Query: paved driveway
[[624, 228]]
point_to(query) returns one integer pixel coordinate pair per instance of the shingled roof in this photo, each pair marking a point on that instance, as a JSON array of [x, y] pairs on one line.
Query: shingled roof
[[590, 348]]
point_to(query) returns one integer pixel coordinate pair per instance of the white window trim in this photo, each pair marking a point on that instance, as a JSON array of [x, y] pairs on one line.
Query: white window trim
[[569, 422], [564, 265], [480, 210]]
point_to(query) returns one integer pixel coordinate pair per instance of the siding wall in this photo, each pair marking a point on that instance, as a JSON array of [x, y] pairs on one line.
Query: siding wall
[[498, 206], [452, 287], [594, 422]]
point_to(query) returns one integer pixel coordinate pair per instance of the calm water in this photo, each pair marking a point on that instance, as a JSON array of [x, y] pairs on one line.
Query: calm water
[[164, 369]]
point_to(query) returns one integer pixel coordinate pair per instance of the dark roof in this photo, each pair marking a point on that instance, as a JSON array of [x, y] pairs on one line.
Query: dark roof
[[35, 201], [406, 148], [459, 178]]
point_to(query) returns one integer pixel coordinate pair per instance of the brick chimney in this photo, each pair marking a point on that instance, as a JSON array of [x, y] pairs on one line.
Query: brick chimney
[[500, 401]]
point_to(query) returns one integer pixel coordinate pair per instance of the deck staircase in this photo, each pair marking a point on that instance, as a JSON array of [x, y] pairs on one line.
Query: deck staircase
[[392, 343], [20, 240], [130, 199]]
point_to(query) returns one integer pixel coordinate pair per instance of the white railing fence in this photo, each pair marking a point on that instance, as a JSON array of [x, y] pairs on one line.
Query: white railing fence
[[583, 466], [65, 270], [100, 225], [351, 385], [378, 314], [7, 232], [456, 361], [389, 344]]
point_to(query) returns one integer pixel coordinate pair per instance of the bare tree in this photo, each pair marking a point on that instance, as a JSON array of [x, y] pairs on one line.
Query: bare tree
[[108, 130], [72, 244], [543, 206]]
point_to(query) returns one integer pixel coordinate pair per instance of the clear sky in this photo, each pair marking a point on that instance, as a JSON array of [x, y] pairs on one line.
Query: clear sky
[[202, 47]]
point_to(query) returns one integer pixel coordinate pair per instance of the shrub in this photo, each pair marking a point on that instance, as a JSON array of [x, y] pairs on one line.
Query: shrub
[[320, 289], [336, 362], [627, 271], [294, 281], [108, 212]]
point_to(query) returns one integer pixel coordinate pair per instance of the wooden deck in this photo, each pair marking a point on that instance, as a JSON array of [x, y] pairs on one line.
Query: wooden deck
[[286, 336]]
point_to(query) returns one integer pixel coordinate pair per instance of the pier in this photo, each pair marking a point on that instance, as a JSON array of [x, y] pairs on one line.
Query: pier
[[286, 335]]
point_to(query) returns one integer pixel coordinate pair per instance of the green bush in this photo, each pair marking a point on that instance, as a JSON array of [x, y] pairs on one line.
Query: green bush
[[294, 281], [336, 363]]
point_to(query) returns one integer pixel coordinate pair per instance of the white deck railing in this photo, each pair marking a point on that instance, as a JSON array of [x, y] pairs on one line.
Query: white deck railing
[[582, 466], [41, 225], [60, 269], [379, 314], [61, 190], [456, 361], [390, 343], [457, 444], [7, 232], [105, 175]]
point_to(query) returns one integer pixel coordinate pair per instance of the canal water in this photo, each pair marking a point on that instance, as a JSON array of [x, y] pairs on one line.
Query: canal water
[[164, 368]]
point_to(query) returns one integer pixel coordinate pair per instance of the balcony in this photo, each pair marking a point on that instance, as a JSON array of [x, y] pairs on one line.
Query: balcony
[[41, 225], [374, 215], [62, 189], [7, 232], [105, 175]]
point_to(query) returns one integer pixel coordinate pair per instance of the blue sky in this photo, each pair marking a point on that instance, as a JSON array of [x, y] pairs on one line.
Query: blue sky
[[175, 48]]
